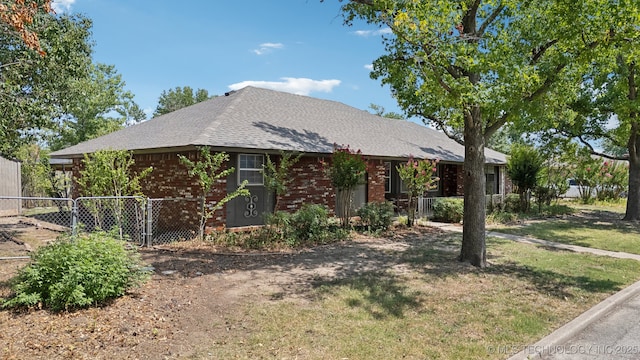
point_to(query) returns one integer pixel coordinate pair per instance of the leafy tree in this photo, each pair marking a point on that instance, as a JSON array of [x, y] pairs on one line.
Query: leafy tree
[[346, 170], [419, 177], [35, 171], [380, 111], [96, 99], [209, 169], [17, 18], [35, 89], [178, 98], [471, 66], [586, 176], [523, 168], [607, 109], [109, 173], [277, 175]]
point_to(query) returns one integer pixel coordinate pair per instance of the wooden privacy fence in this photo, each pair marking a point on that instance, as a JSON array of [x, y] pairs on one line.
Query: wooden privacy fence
[[10, 185]]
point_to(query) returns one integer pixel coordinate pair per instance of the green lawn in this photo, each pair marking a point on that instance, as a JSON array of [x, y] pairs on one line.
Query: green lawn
[[424, 304], [592, 226]]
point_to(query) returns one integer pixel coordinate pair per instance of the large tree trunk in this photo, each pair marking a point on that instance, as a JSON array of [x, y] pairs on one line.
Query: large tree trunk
[[633, 196], [473, 231]]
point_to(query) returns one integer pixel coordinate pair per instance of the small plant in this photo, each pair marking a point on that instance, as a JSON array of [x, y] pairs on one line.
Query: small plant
[[523, 167], [310, 222], [419, 177], [512, 203], [277, 175], [78, 272], [208, 170], [346, 171], [278, 225], [376, 216], [448, 210]]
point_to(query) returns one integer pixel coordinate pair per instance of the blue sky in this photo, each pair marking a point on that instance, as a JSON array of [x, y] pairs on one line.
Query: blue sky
[[299, 46]]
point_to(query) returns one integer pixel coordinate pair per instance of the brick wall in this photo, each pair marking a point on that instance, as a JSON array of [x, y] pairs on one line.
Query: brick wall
[[309, 185], [170, 179], [375, 185]]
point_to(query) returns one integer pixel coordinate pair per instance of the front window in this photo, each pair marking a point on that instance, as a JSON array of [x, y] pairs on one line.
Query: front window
[[387, 177], [250, 169]]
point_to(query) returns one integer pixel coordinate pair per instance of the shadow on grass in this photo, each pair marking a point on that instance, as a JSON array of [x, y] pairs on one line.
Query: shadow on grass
[[553, 283], [381, 294]]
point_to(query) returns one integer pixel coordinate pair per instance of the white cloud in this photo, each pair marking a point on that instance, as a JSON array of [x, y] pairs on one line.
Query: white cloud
[[267, 48], [367, 33], [369, 67], [299, 86], [61, 6]]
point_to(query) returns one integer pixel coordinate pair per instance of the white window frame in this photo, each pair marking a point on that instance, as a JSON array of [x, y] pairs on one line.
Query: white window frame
[[260, 170], [387, 177]]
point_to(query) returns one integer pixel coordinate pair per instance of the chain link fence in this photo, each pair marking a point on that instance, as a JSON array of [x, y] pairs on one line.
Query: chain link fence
[[124, 215], [173, 219], [51, 213], [136, 219]]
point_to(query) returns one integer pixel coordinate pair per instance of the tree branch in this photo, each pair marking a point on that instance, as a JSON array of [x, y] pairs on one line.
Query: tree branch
[[489, 20], [593, 151], [440, 125], [538, 52]]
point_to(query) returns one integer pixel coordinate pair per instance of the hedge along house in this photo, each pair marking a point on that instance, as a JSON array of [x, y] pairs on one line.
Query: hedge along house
[[252, 122]]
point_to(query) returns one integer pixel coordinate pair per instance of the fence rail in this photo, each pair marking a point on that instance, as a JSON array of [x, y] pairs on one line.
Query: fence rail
[[136, 219], [425, 204]]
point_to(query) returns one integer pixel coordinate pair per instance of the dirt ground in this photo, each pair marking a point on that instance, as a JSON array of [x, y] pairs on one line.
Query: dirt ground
[[193, 300]]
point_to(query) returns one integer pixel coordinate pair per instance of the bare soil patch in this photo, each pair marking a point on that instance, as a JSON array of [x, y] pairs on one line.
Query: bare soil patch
[[195, 298]]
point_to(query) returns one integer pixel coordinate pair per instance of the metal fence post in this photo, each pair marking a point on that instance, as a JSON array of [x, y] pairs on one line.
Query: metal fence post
[[74, 217], [149, 230]]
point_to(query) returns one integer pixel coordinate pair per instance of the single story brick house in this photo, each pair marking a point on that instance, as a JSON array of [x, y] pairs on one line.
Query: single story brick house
[[252, 122]]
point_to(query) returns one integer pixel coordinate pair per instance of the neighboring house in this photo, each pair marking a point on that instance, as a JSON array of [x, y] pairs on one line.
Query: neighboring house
[[10, 185], [252, 122]]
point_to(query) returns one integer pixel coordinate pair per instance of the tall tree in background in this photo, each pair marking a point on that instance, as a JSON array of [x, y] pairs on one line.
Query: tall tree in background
[[61, 97], [469, 67], [608, 110], [380, 111], [34, 89], [98, 105], [178, 98]]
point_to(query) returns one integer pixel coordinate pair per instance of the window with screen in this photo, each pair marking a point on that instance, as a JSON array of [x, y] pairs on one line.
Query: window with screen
[[250, 169]]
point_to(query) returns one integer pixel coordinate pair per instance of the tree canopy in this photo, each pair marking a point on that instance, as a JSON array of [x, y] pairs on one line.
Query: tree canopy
[[58, 97], [469, 67], [179, 97]]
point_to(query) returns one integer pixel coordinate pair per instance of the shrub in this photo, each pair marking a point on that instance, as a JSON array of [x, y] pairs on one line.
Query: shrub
[[77, 272], [502, 217], [278, 225], [376, 216], [448, 210], [310, 222], [512, 203]]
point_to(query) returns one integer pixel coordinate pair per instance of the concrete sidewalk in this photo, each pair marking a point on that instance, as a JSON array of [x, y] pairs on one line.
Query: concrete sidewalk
[[609, 330]]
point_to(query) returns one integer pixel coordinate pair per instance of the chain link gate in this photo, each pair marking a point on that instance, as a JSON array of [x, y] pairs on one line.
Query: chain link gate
[[133, 218]]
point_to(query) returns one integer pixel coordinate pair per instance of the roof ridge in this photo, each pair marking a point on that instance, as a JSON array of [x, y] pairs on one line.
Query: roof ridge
[[212, 128]]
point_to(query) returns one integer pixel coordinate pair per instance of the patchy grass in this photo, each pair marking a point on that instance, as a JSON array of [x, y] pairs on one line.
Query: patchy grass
[[425, 304], [597, 227]]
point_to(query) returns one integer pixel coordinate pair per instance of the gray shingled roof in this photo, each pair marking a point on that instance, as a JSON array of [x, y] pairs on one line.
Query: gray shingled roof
[[261, 119]]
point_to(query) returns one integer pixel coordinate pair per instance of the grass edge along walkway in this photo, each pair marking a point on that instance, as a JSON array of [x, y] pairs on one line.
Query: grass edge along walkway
[[534, 241]]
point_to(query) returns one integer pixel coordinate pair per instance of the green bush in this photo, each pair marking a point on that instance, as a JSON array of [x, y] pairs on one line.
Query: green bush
[[448, 210], [77, 272], [310, 222], [278, 225], [512, 203], [376, 216]]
